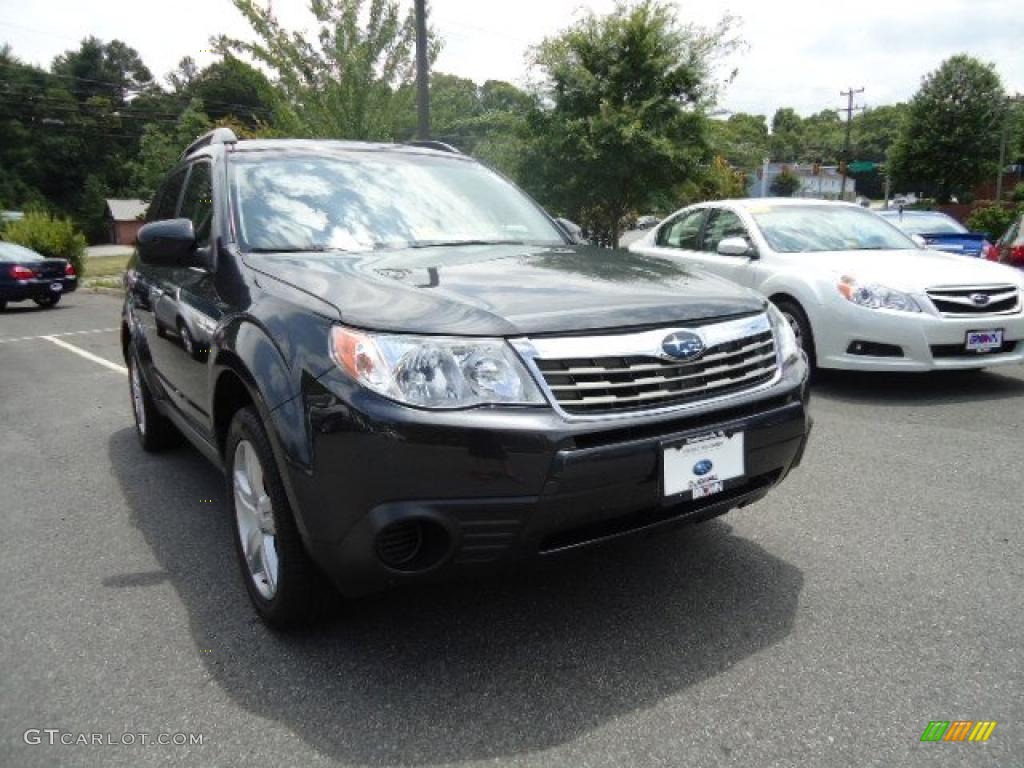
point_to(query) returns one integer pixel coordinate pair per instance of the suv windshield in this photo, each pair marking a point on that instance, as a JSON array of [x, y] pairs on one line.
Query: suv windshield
[[357, 201], [809, 228]]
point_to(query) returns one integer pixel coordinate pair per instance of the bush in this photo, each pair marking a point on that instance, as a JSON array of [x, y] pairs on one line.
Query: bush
[[1018, 193], [53, 238], [785, 184], [991, 218]]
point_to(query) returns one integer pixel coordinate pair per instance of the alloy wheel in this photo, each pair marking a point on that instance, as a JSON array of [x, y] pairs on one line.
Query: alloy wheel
[[255, 520]]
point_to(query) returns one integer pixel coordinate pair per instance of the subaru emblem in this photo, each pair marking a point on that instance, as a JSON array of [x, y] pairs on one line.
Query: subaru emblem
[[682, 345], [702, 467], [980, 299]]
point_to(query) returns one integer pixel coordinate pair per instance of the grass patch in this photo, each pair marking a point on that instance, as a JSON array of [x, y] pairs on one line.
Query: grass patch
[[105, 271]]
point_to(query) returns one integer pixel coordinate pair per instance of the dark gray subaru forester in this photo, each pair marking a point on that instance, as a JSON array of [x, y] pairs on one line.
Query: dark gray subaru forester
[[406, 368]]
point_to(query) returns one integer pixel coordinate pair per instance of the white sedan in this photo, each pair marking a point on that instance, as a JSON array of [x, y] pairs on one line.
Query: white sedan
[[859, 293]]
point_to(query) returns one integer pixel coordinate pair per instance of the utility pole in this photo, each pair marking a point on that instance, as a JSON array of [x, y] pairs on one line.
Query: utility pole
[[849, 124], [1007, 116], [422, 74]]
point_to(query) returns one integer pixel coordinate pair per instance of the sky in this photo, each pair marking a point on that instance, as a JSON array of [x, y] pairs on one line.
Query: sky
[[797, 53]]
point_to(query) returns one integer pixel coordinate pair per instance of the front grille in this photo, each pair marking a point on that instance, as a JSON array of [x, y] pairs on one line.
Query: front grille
[[739, 356], [976, 300]]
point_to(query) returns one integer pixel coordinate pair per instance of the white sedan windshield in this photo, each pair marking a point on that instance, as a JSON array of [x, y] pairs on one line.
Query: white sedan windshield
[[811, 228]]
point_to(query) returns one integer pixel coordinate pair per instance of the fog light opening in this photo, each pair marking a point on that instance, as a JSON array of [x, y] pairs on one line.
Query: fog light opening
[[413, 545], [874, 349]]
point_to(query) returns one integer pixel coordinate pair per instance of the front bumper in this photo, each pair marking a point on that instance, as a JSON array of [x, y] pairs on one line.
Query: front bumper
[[503, 485], [42, 288], [928, 341]]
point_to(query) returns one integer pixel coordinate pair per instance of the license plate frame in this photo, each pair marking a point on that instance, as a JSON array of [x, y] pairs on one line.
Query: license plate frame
[[700, 466], [984, 341]]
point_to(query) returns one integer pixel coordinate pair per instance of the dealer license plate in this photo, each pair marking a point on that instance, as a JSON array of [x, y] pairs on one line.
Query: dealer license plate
[[700, 466], [56, 287], [984, 341]]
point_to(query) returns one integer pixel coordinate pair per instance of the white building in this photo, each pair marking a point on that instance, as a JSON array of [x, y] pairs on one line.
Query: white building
[[819, 182]]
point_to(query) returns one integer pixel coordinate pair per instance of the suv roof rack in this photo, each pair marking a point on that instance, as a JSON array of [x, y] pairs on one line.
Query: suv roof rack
[[431, 144], [216, 136]]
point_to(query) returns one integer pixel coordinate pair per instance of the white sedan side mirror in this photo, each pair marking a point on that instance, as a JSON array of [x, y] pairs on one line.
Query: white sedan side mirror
[[919, 241], [735, 246]]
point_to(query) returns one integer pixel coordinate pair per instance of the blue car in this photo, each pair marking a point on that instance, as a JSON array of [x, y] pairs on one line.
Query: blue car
[[941, 232]]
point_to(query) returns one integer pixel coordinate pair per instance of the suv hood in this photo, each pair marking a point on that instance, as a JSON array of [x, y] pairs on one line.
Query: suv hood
[[912, 271], [506, 290]]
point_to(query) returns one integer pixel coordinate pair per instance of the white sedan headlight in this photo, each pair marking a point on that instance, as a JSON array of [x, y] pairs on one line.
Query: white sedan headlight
[[874, 296], [435, 371], [789, 347]]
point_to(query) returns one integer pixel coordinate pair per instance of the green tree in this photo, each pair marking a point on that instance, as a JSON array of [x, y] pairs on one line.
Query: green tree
[[233, 89], [160, 148], [341, 81], [742, 139], [785, 184], [787, 141], [622, 121], [950, 139], [111, 70]]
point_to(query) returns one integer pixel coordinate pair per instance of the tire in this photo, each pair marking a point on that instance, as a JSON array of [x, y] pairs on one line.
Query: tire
[[3, 304], [155, 431], [284, 585], [49, 301], [797, 319]]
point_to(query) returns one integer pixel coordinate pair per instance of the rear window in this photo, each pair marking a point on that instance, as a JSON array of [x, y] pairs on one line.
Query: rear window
[[14, 252]]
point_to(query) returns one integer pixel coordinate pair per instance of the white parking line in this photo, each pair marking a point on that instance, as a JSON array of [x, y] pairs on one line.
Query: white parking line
[[87, 355], [55, 335]]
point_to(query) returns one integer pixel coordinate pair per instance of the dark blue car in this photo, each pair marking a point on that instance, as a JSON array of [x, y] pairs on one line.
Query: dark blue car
[[941, 232], [25, 274]]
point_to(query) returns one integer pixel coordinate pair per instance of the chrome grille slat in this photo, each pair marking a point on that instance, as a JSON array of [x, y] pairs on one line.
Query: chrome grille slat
[[660, 394], [616, 374], [769, 356], [955, 301], [660, 366]]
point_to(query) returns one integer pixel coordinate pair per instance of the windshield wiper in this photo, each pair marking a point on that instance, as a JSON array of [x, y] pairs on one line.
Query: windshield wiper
[[456, 243], [294, 249]]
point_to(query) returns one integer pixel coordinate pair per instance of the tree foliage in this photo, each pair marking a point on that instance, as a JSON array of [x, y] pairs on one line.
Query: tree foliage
[[622, 115], [342, 81], [950, 139]]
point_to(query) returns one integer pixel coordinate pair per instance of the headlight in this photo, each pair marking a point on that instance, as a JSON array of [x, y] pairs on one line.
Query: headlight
[[789, 347], [434, 371], [874, 296]]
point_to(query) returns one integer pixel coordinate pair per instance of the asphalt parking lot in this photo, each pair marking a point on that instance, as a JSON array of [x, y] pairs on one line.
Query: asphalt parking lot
[[881, 587]]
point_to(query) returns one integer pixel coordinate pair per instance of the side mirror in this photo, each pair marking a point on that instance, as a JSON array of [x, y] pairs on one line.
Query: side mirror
[[168, 243], [735, 246], [919, 241], [572, 229]]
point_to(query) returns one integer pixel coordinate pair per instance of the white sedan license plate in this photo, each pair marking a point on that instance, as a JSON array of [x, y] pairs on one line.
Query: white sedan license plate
[[984, 341], [701, 465], [56, 287]]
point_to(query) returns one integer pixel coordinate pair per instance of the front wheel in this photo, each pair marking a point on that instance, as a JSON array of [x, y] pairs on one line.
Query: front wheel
[[48, 301], [797, 319], [283, 583]]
